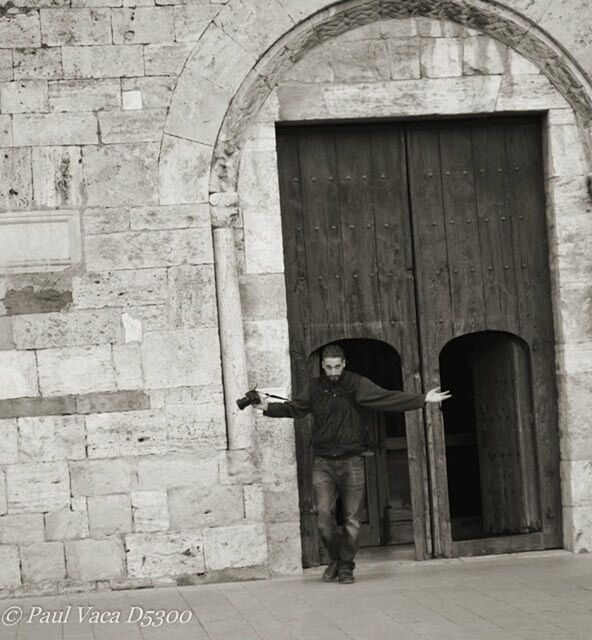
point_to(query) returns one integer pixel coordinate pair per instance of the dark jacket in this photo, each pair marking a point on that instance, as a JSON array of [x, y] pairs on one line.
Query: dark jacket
[[338, 429]]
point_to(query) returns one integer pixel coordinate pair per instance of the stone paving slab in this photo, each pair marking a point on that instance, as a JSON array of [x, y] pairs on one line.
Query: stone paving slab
[[529, 596]]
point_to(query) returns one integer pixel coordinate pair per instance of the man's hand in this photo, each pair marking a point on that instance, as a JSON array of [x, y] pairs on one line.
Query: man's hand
[[262, 406], [435, 395]]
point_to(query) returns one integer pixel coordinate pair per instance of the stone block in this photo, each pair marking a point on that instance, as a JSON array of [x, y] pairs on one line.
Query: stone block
[[152, 555], [84, 95], [9, 439], [110, 435], [111, 220], [254, 27], [435, 28], [131, 99], [18, 374], [263, 296], [148, 249], [197, 115], [48, 438], [151, 93], [143, 25], [23, 528], [74, 26], [10, 569], [95, 559], [529, 93], [468, 94], [574, 358], [180, 216], [110, 514], [20, 29], [567, 151], [518, 65], [577, 528], [198, 507], [38, 292], [159, 473], [127, 362], [195, 426], [166, 59], [483, 55], [238, 467], [253, 502], [575, 404], [54, 129], [16, 186], [267, 347], [441, 57], [576, 483], [5, 130], [284, 548], [102, 477], [184, 171], [32, 64], [120, 288], [191, 20], [281, 501], [37, 242], [20, 407], [108, 61], [43, 561], [109, 171], [260, 206], [192, 297], [404, 58], [66, 524], [278, 455], [132, 126], [180, 358], [112, 401], [6, 63], [3, 498], [37, 487], [150, 511], [72, 370], [24, 96], [235, 546], [57, 176], [6, 337], [573, 310], [78, 327], [220, 59]]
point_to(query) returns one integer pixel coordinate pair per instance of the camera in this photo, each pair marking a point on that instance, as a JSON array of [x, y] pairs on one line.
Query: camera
[[251, 397]]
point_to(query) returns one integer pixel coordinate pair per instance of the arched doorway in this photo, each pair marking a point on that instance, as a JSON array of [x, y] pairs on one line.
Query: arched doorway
[[388, 515], [416, 233], [491, 457]]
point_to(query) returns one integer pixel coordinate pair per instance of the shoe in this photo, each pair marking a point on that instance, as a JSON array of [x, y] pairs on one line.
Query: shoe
[[346, 575], [331, 572]]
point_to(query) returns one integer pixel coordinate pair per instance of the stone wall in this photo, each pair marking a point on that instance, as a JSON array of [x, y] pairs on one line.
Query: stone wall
[[116, 469]]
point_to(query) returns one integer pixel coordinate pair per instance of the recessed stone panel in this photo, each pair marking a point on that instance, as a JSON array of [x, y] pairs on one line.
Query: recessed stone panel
[[39, 241]]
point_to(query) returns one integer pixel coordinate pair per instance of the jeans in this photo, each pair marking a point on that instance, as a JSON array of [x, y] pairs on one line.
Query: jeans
[[347, 479]]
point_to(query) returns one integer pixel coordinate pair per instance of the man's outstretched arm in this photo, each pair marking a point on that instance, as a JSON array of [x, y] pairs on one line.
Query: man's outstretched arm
[[372, 396], [296, 408]]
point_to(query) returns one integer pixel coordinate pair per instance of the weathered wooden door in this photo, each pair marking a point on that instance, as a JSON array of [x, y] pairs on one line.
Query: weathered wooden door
[[415, 234], [349, 274]]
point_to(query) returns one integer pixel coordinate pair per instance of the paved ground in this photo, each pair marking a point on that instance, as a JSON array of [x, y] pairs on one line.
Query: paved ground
[[544, 596]]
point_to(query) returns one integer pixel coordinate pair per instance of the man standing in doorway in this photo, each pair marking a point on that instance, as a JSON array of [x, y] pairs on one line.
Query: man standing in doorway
[[339, 438]]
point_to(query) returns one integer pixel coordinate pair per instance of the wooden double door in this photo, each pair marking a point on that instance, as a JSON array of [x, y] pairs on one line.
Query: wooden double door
[[421, 247]]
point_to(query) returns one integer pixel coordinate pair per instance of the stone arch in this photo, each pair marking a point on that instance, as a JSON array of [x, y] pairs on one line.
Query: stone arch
[[222, 89], [492, 19]]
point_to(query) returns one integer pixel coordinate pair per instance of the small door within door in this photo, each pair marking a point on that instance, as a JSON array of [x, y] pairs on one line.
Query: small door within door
[[387, 517], [491, 456]]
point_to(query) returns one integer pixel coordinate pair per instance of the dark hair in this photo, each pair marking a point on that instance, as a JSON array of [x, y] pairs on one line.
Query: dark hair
[[333, 351]]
